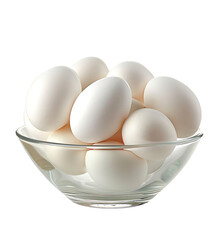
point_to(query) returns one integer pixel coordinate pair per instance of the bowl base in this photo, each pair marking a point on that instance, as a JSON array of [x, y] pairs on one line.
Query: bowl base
[[108, 204]]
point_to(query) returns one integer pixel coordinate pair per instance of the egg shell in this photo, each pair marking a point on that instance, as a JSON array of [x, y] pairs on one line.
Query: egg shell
[[116, 170], [135, 74], [147, 126], [89, 70], [50, 98], [34, 132], [177, 102], [69, 160], [135, 105], [100, 110]]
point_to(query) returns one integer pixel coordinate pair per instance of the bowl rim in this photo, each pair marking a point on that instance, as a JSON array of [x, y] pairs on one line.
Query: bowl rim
[[181, 141]]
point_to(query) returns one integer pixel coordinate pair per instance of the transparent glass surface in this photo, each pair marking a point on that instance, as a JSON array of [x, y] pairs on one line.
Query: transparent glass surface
[[79, 187]]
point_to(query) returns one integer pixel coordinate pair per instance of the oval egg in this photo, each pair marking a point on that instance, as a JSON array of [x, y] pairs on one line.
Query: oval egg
[[135, 74], [176, 101], [50, 98], [69, 160], [89, 70], [100, 110], [116, 170], [147, 126]]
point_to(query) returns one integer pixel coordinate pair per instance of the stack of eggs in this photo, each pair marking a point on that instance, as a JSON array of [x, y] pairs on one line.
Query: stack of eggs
[[88, 104]]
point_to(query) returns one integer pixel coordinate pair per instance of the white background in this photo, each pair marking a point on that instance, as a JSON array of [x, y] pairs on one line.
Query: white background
[[175, 38]]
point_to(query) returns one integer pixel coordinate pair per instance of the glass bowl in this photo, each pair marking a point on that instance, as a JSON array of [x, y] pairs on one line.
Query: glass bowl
[[82, 189]]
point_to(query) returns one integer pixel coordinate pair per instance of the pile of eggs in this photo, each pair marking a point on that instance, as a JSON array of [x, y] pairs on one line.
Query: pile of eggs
[[89, 105]]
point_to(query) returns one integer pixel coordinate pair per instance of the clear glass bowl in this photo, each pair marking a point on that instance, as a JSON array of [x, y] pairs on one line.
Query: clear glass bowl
[[83, 190]]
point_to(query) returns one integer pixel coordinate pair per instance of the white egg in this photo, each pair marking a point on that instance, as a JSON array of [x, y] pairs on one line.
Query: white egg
[[149, 126], [135, 105], [89, 70], [135, 74], [34, 132], [177, 102], [69, 160], [116, 170], [100, 110], [50, 98]]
